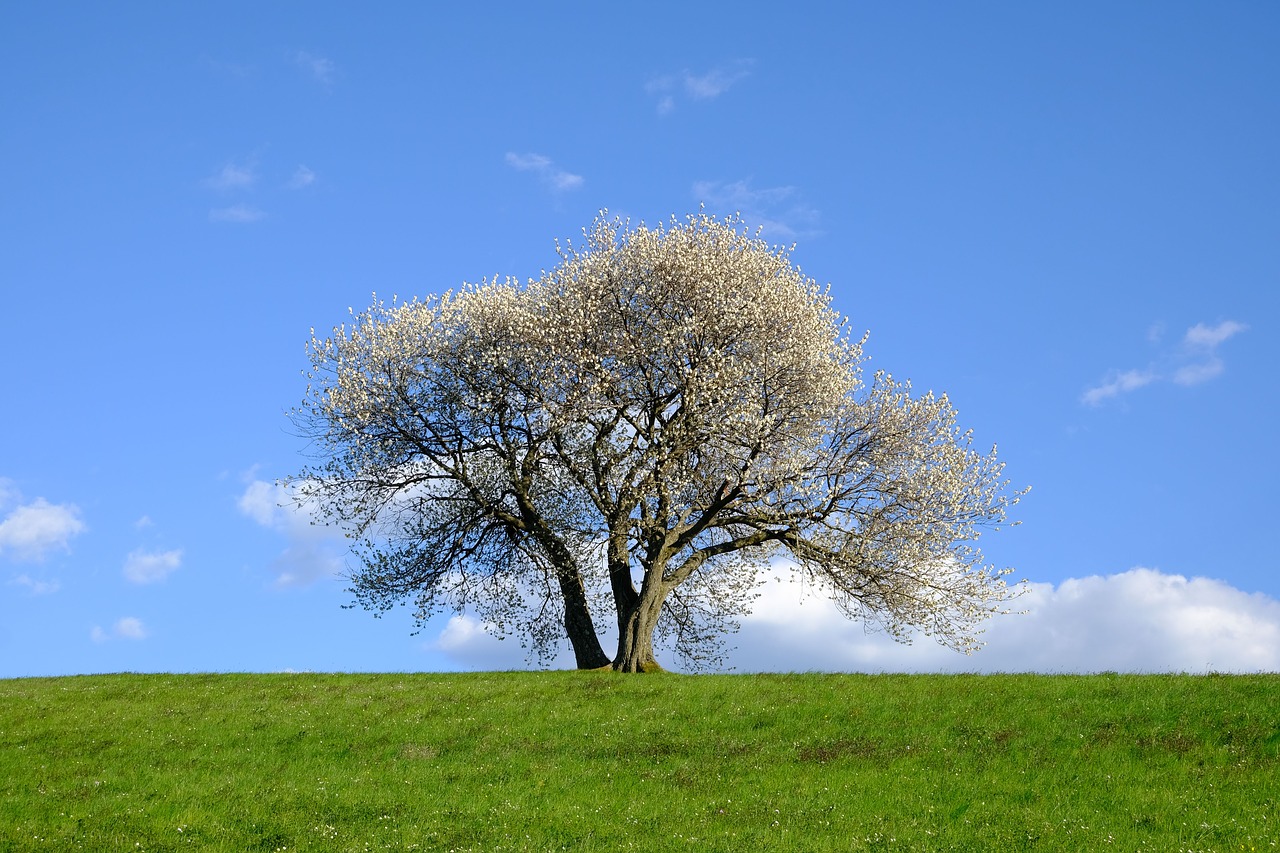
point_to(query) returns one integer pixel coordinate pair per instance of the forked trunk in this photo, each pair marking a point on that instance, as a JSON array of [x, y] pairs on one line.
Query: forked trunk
[[635, 635]]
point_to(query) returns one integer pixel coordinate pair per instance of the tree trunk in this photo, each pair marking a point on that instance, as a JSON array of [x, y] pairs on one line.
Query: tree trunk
[[635, 628], [587, 652], [578, 625], [635, 634]]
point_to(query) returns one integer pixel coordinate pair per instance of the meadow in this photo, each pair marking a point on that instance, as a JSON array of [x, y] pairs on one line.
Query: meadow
[[598, 761]]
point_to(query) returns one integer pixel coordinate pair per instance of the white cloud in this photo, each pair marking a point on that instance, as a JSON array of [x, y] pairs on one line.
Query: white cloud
[[542, 166], [128, 628], [302, 178], [703, 86], [565, 181], [1208, 337], [31, 531], [1141, 620], [777, 211], [537, 162], [1195, 362], [238, 213], [36, 587], [261, 502], [143, 523], [461, 632], [151, 566], [232, 177], [715, 82], [1119, 383], [1202, 342], [315, 551], [465, 640], [319, 68], [1194, 374]]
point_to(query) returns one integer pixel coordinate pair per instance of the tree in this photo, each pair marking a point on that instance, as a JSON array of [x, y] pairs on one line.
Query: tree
[[639, 431]]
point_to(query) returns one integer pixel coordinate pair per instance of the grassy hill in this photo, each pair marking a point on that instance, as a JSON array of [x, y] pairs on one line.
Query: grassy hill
[[596, 761]]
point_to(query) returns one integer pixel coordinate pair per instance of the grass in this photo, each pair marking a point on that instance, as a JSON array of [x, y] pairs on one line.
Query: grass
[[597, 761]]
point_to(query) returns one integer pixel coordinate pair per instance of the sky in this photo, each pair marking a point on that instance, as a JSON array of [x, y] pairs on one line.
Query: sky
[[1065, 216]]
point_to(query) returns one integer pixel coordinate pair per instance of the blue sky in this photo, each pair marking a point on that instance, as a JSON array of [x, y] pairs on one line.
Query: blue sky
[[1066, 216]]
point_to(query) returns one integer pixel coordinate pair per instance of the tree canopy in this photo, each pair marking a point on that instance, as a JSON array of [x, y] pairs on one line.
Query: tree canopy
[[634, 435]]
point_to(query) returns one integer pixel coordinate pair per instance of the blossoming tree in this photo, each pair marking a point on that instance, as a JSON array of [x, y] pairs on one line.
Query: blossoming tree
[[637, 433]]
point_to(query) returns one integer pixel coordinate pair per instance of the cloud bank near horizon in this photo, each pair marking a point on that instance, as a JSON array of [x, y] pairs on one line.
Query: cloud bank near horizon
[[1140, 621]]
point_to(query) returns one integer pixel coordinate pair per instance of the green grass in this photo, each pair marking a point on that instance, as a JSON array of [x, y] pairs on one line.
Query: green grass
[[597, 761]]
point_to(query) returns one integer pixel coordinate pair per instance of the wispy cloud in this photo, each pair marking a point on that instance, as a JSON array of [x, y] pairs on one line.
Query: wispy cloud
[[704, 86], [555, 178], [1118, 383], [302, 178], [127, 628], [241, 214], [30, 531], [142, 566], [715, 82], [36, 587], [1194, 374], [1202, 342], [1205, 337], [233, 177], [318, 68], [1194, 361], [314, 550], [779, 212], [243, 178]]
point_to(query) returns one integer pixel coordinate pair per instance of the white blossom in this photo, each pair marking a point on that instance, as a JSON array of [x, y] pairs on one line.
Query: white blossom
[[637, 431]]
